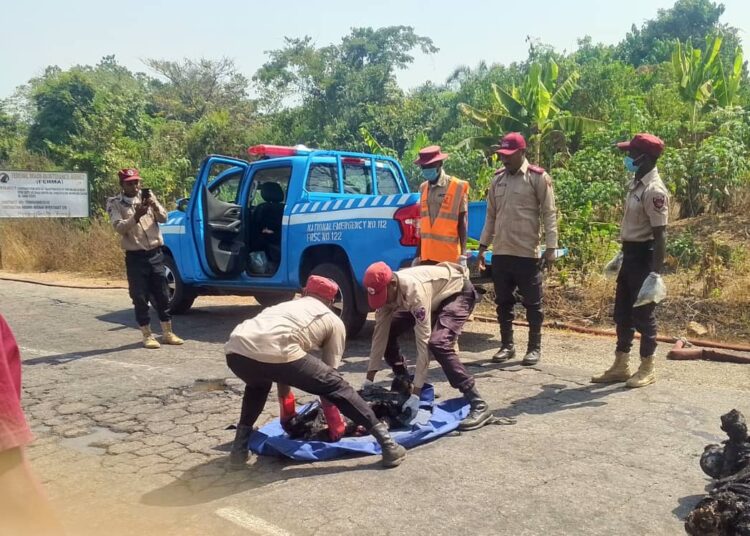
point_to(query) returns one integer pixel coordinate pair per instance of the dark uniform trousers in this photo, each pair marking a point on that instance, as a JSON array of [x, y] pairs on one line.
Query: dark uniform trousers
[[447, 323], [309, 374], [637, 260], [508, 274], [147, 281]]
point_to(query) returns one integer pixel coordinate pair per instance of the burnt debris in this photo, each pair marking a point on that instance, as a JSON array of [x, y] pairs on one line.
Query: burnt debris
[[726, 509]]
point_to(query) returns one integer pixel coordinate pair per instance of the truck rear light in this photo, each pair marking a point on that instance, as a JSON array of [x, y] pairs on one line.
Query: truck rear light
[[408, 221], [353, 161]]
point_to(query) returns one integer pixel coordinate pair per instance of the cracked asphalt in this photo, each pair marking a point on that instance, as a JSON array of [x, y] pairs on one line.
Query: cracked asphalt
[[133, 441]]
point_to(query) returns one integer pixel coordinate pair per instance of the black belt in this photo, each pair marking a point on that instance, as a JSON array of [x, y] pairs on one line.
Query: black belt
[[143, 252], [637, 247]]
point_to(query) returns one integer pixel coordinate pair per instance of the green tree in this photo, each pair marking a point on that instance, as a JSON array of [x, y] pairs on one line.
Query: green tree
[[687, 20], [536, 109], [338, 88], [194, 89], [58, 96]]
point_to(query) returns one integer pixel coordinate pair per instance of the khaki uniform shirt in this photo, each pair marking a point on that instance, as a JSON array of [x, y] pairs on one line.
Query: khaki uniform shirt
[[515, 205], [421, 290], [143, 234], [436, 192], [646, 207], [288, 332]]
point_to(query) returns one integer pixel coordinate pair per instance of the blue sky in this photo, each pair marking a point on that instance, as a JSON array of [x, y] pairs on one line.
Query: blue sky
[[38, 33]]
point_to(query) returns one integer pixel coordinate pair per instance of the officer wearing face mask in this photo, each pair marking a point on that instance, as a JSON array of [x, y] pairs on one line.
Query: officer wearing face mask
[[644, 244], [444, 202]]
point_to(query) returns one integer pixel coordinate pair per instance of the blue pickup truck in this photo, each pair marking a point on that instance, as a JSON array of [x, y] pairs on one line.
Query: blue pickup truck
[[261, 227]]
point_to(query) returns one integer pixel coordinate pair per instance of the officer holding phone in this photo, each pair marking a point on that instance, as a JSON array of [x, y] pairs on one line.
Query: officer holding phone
[[136, 214]]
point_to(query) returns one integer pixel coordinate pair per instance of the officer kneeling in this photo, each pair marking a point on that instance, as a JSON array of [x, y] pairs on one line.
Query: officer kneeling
[[435, 301], [274, 347]]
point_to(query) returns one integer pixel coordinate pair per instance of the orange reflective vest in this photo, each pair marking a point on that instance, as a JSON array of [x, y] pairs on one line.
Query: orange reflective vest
[[439, 238]]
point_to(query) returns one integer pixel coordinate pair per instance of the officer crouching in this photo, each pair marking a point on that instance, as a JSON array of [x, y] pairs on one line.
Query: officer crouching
[[135, 215]]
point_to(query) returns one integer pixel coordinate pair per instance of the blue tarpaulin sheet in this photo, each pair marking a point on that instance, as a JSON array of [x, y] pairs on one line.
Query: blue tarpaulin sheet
[[434, 420]]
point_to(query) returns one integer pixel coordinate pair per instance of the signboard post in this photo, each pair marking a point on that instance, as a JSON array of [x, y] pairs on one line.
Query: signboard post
[[36, 194]]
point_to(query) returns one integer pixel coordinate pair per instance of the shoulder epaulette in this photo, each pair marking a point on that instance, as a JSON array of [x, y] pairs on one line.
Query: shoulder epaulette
[[537, 169], [498, 171]]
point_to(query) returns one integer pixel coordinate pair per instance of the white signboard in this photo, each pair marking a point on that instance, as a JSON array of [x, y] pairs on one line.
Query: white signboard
[[35, 194]]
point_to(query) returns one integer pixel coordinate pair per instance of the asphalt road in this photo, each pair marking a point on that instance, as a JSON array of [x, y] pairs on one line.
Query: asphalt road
[[132, 441]]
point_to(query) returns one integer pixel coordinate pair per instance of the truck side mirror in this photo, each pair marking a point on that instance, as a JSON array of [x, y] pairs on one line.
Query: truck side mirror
[[182, 204]]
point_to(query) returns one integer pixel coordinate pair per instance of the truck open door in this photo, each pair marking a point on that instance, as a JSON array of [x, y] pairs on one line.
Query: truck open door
[[218, 217]]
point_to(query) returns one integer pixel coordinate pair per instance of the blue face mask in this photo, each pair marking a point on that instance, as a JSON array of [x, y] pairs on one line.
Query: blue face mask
[[430, 174], [630, 164]]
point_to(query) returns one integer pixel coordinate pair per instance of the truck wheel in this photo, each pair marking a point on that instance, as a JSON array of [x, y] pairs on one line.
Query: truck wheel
[[346, 303], [269, 299], [181, 296]]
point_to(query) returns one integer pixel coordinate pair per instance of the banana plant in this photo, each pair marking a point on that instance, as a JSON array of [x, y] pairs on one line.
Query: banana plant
[[696, 72], [536, 109], [728, 82]]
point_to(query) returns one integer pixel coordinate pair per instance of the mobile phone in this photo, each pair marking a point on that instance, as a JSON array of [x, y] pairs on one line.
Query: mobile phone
[[145, 193]]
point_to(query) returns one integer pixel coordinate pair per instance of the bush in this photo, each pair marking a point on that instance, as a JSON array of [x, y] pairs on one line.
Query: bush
[[45, 245], [684, 250]]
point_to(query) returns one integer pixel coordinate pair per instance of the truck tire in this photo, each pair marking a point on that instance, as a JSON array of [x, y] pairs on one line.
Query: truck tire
[[346, 308], [181, 296], [269, 299]]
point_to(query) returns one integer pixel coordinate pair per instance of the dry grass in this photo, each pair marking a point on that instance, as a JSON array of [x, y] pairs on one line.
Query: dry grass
[[726, 314], [45, 245], [718, 297]]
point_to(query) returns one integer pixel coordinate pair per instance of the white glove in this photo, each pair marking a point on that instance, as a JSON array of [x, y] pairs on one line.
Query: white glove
[[416, 261], [613, 267], [653, 290], [367, 384], [411, 406], [462, 261]]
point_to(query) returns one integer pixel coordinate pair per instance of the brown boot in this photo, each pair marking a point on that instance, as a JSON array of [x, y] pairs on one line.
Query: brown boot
[[618, 372], [645, 375], [168, 336], [149, 341]]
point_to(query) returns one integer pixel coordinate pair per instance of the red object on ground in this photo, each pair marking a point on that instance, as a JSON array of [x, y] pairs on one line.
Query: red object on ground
[[288, 407], [683, 352], [14, 432], [336, 424]]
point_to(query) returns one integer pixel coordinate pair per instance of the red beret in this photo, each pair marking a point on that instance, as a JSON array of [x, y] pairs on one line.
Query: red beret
[[430, 155], [377, 278], [321, 287], [129, 174], [511, 143], [646, 143]]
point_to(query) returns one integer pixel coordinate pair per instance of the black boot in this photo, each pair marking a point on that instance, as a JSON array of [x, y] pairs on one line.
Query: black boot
[[479, 413], [507, 351], [239, 454], [393, 453], [534, 350], [507, 348]]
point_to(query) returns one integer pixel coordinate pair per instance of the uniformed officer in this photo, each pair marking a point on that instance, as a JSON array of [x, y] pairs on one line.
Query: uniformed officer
[[644, 240], [435, 301], [275, 346], [519, 196], [444, 203], [136, 218]]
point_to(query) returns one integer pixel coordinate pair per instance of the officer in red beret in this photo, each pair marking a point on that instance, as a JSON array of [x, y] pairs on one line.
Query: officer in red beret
[[136, 214], [275, 346], [444, 202], [644, 244], [519, 198]]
